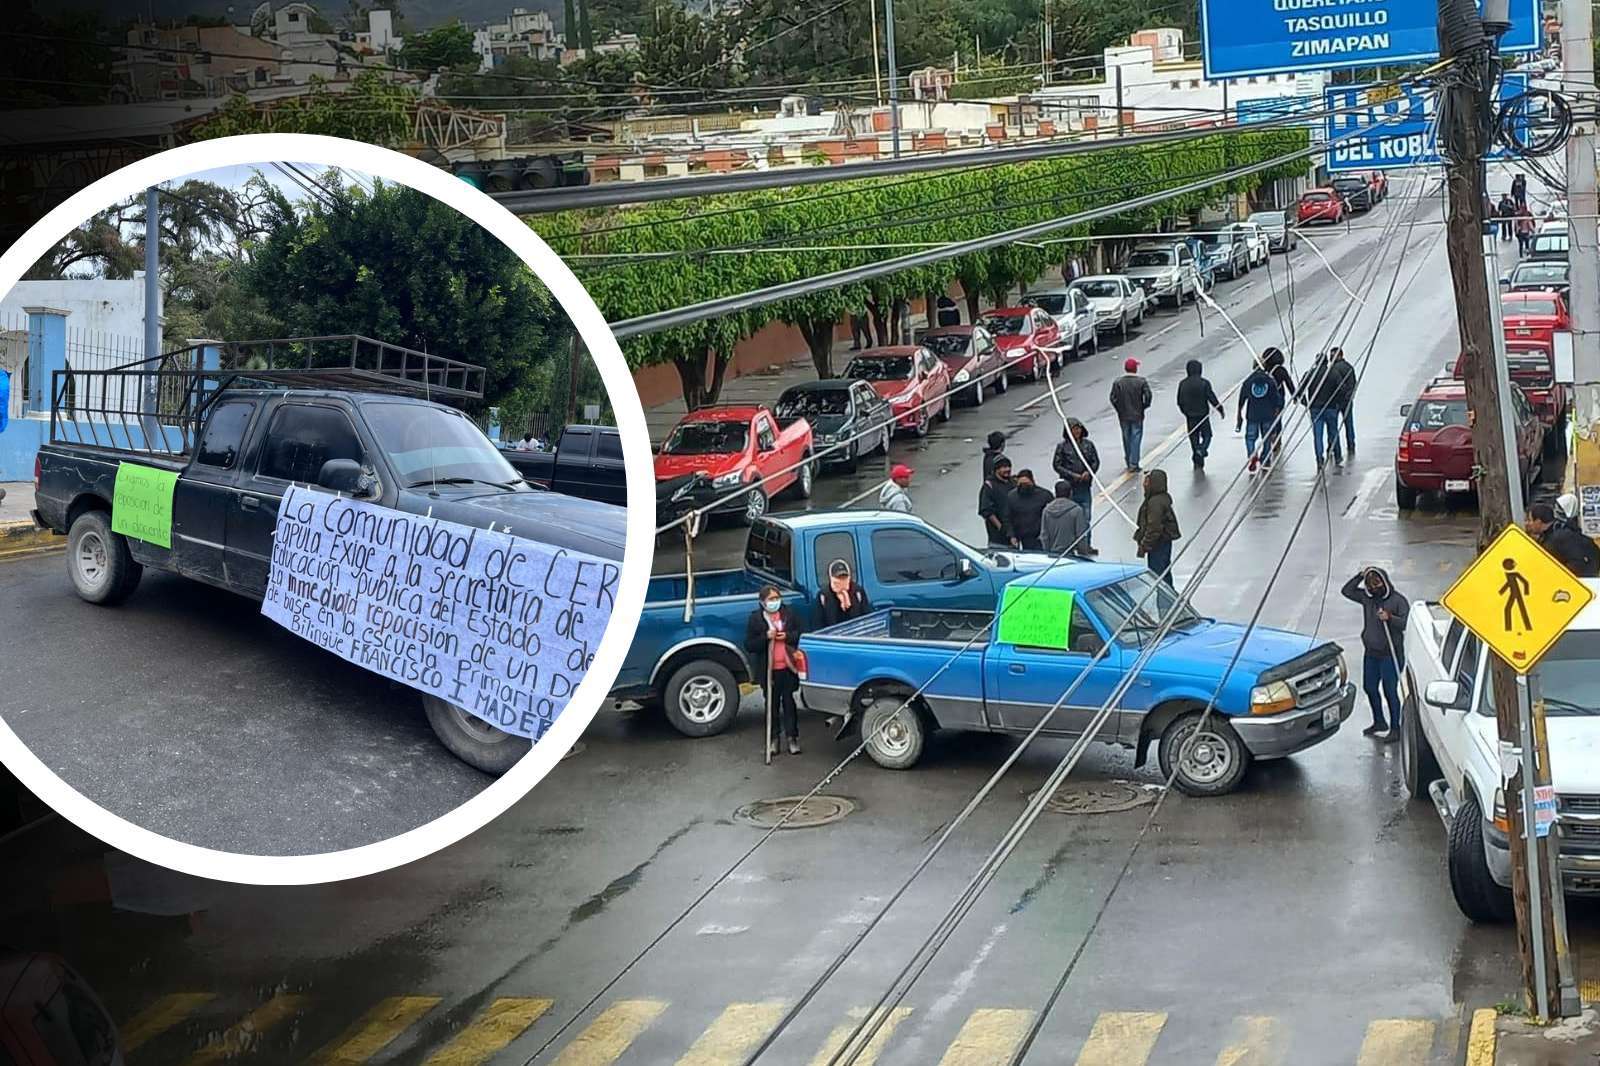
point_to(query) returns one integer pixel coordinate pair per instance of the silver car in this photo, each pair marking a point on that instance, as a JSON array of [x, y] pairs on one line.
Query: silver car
[[1166, 272], [1075, 316], [1118, 303], [1280, 238]]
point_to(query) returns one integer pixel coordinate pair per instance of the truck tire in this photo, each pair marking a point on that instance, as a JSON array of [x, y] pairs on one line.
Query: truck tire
[[755, 504], [898, 745], [1215, 762], [103, 571], [471, 739], [805, 478], [701, 698], [1476, 894], [1417, 761]]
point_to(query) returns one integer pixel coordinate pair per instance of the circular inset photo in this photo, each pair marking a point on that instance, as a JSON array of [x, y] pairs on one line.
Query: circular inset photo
[[327, 509]]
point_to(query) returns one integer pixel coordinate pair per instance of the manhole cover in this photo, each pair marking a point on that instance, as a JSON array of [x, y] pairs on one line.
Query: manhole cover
[[1099, 797], [818, 810]]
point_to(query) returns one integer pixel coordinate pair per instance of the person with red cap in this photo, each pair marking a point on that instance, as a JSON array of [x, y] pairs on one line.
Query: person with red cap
[[1130, 399], [893, 496]]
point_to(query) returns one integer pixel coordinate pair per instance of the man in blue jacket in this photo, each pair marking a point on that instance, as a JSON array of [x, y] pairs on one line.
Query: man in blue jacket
[[1261, 401]]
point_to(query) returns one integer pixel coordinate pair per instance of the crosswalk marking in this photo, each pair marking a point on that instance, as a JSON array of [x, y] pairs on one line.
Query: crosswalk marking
[[1122, 1038], [874, 1048], [990, 1035], [240, 1039], [1480, 1038], [160, 1016], [1259, 1043], [609, 1035], [505, 1020], [374, 1030], [736, 1031], [1396, 1042]]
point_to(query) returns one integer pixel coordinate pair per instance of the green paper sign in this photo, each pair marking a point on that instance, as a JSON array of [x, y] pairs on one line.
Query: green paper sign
[[1035, 617], [141, 507]]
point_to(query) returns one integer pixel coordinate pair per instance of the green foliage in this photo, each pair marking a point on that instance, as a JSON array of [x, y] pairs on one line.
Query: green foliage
[[373, 109], [446, 47], [992, 78]]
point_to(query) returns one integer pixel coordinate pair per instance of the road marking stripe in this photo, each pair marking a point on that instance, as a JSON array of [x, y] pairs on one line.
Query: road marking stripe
[[874, 1048], [1480, 1038], [505, 1020], [989, 1036], [160, 1016], [1396, 1042], [612, 1033], [375, 1029], [1060, 390], [1260, 1043], [735, 1032], [1122, 1038], [243, 1038]]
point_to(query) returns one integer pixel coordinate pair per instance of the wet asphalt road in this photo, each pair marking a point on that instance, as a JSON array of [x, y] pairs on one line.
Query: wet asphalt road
[[1305, 919]]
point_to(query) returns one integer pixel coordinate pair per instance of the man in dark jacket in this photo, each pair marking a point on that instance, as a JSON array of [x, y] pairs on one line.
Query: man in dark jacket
[[1026, 507], [1572, 549], [1130, 399], [1260, 401], [1320, 392], [1278, 367], [1383, 645], [1063, 527], [1076, 460], [994, 503], [1197, 399], [1158, 526], [995, 448], [1345, 375], [1519, 190]]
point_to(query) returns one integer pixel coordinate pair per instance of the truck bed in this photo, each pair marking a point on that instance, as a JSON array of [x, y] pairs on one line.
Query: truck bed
[[673, 589], [912, 624]]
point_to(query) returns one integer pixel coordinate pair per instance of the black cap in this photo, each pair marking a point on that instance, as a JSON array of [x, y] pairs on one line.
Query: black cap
[[999, 461]]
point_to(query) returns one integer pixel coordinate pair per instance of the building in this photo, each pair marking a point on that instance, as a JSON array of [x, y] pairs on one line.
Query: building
[[184, 62], [616, 43], [524, 33], [379, 36]]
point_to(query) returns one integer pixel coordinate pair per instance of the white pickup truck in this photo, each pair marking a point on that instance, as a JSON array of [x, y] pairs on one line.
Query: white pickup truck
[[1450, 752]]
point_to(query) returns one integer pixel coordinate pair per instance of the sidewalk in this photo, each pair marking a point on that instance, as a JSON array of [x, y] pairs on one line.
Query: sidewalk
[[17, 532], [1574, 1042]]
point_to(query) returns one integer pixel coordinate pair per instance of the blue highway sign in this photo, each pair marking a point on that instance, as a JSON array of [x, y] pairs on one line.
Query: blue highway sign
[[1404, 138], [1280, 108]]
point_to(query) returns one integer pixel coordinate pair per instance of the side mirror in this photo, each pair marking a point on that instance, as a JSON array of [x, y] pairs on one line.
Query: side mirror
[[965, 568], [1445, 695], [655, 448], [343, 475], [1505, 281], [1405, 409]]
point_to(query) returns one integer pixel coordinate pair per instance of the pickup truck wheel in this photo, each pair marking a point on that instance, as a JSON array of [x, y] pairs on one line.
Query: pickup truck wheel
[[805, 479], [1209, 761], [896, 745], [103, 570], [1405, 497], [1476, 894], [471, 739], [701, 698], [755, 503], [1420, 767]]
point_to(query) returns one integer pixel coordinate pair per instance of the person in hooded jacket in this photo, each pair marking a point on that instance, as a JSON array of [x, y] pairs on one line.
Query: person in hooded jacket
[[1260, 401], [1026, 508], [1560, 538], [1158, 526], [842, 599], [1075, 461], [772, 637], [994, 504], [1383, 646], [995, 448], [1063, 527], [896, 495], [1197, 399], [1278, 367], [1322, 393]]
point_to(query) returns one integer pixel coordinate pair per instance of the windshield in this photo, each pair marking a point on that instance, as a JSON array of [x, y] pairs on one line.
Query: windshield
[[1315, 198], [1267, 218], [1540, 273], [1099, 290], [888, 368], [1132, 611], [1050, 302], [1150, 258], [707, 438], [947, 343], [1436, 414], [1541, 306], [1006, 325], [808, 403], [1569, 674], [427, 445]]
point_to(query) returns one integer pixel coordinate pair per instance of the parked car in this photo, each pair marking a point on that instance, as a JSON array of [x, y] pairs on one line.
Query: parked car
[[972, 357], [1355, 191], [1260, 244], [1028, 337], [912, 379], [1378, 185], [1166, 271], [1277, 694], [1543, 275], [1280, 238], [1435, 450], [1118, 303], [688, 656], [1534, 316], [1532, 369], [1319, 205], [1451, 753], [1074, 316], [586, 462], [1228, 250], [838, 409], [733, 445], [1557, 224], [1549, 245]]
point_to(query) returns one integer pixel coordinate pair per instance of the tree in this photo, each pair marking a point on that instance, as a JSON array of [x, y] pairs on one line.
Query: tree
[[446, 47], [373, 109]]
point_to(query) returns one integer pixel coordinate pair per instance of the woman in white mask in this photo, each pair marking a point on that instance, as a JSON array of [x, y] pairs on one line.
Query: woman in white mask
[[772, 637]]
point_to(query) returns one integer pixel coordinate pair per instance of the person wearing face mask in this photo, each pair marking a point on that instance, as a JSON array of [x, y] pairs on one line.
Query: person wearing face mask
[[772, 637], [1383, 642], [843, 599], [994, 500], [1026, 509]]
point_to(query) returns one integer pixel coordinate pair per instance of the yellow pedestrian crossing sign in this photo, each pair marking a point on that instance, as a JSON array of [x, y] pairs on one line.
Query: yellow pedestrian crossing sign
[[1517, 598]]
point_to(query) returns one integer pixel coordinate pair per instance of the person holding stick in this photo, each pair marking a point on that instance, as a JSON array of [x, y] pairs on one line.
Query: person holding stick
[[772, 636]]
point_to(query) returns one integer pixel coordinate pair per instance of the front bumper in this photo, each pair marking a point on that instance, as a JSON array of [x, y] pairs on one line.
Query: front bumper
[[1276, 735], [696, 497], [1580, 864]]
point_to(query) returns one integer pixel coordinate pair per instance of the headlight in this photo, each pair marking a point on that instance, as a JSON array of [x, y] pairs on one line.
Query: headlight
[[963, 377], [1502, 821], [825, 438], [904, 397], [1344, 671], [722, 481], [1272, 698]]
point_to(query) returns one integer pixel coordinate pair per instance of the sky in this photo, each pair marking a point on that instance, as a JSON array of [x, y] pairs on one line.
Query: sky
[[235, 177]]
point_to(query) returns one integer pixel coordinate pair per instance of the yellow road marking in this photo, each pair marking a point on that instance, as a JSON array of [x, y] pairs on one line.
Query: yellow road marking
[[1260, 1043], [1122, 1038], [505, 1020], [874, 1048], [736, 1031], [243, 1038], [374, 1030], [1396, 1042], [609, 1035], [160, 1016], [990, 1035], [1480, 1038]]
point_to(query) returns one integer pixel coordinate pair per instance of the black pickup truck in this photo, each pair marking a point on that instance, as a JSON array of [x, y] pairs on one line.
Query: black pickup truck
[[586, 462], [236, 445]]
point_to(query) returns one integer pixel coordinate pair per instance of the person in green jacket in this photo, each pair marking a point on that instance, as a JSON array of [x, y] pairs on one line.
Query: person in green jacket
[[1158, 526]]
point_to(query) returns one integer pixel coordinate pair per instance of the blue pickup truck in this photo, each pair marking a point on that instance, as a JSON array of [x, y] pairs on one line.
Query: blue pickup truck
[[688, 655], [1286, 692]]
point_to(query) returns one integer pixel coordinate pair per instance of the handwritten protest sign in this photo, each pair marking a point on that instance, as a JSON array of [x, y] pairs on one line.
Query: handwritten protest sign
[[1035, 617], [141, 503], [498, 625]]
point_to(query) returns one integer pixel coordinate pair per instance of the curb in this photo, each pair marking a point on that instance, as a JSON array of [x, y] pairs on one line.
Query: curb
[[24, 538]]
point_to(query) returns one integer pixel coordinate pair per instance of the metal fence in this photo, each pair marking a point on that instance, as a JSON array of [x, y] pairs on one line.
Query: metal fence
[[94, 350]]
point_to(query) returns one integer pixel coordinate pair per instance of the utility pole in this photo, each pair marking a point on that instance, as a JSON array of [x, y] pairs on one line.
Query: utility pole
[[877, 74], [894, 74], [1118, 70], [1577, 61]]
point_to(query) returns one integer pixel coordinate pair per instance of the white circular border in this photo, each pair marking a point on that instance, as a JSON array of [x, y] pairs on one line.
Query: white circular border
[[637, 556]]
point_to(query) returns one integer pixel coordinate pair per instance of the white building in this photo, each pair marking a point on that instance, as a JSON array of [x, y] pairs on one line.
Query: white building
[[530, 34], [379, 36]]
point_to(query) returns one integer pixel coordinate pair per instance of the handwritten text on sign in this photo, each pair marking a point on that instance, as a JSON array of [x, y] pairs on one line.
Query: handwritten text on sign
[[498, 625]]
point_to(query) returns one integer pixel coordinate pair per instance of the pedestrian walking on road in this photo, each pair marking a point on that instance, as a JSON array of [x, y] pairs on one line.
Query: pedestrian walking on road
[[1346, 374], [1506, 209], [1525, 228], [1557, 536], [1026, 508], [895, 495], [1197, 399], [1076, 460], [859, 329], [1383, 645], [1321, 391], [1519, 190], [842, 599], [1130, 399], [1158, 526], [1278, 368], [1260, 401], [772, 637], [1063, 527], [994, 504], [995, 448]]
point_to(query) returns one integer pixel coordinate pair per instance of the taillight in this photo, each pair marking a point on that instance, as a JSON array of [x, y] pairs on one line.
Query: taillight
[[1404, 452], [36, 467]]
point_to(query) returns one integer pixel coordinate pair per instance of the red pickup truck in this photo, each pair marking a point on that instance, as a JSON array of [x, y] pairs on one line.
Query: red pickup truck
[[725, 447]]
